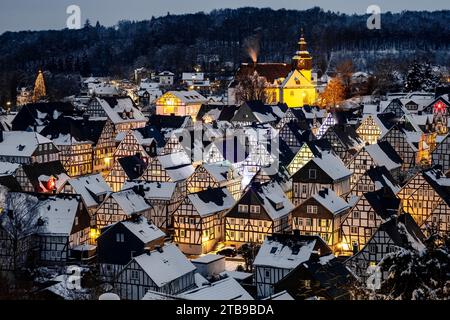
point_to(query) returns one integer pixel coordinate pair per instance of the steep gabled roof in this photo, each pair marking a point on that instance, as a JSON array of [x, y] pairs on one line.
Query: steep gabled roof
[[40, 114], [270, 71], [384, 203], [40, 173], [68, 130], [212, 201], [133, 166], [165, 265]]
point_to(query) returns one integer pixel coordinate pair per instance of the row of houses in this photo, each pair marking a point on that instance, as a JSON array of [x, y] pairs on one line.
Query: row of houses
[[241, 175]]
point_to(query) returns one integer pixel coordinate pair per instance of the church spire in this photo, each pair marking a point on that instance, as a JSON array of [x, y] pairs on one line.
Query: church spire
[[302, 60]]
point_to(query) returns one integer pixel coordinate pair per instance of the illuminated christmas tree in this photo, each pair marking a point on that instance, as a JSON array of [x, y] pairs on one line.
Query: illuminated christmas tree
[[39, 87]]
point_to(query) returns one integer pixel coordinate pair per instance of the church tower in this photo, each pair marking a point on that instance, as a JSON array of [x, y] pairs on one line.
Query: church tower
[[302, 61], [39, 88]]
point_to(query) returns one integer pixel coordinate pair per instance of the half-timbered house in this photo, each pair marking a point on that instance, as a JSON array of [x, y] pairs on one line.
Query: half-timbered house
[[121, 111], [321, 215], [121, 241], [262, 210], [402, 141], [361, 222], [378, 154], [397, 232], [174, 167], [344, 141], [126, 168], [395, 106], [165, 270], [441, 155], [307, 151], [93, 190], [26, 147], [282, 253], [119, 206], [52, 228], [76, 139], [198, 221], [324, 171], [374, 179], [375, 126], [426, 197], [217, 175], [325, 278], [164, 198], [294, 136]]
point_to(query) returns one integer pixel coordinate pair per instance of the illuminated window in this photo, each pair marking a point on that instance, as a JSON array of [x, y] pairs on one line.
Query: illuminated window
[[311, 209], [243, 208]]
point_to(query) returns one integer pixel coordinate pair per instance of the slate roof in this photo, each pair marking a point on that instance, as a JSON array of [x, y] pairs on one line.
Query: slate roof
[[270, 71], [384, 203], [68, 130]]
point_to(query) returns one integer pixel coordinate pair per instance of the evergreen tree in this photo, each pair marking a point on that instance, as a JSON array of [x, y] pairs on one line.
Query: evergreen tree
[[420, 77]]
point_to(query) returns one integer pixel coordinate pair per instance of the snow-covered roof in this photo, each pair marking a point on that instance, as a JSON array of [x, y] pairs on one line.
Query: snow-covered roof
[[189, 97], [381, 158], [281, 255], [332, 165], [226, 289], [178, 165], [165, 265], [212, 201], [272, 195], [88, 186], [7, 168], [130, 202], [145, 231], [208, 258], [153, 190], [121, 110], [331, 201], [21, 143], [103, 89], [58, 214], [219, 171], [237, 275], [283, 295]]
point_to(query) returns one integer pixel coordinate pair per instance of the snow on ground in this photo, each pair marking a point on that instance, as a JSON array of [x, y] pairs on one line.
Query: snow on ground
[[231, 265]]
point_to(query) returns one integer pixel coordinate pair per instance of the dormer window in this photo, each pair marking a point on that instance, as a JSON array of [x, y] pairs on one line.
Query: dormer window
[[279, 205]]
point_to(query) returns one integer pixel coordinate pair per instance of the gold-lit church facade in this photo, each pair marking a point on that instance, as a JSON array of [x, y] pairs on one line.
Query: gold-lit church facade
[[292, 84]]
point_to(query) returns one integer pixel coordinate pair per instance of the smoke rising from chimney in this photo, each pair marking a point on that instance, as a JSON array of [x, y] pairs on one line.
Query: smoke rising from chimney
[[252, 47]]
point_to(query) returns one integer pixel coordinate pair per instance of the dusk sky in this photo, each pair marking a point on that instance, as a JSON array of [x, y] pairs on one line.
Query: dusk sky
[[18, 15]]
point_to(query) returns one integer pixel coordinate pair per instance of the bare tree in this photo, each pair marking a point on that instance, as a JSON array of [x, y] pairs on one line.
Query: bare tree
[[345, 71], [250, 88], [18, 224]]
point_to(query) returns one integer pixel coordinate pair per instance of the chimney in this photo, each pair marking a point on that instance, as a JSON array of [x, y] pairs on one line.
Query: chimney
[[378, 108], [159, 249], [1, 135]]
